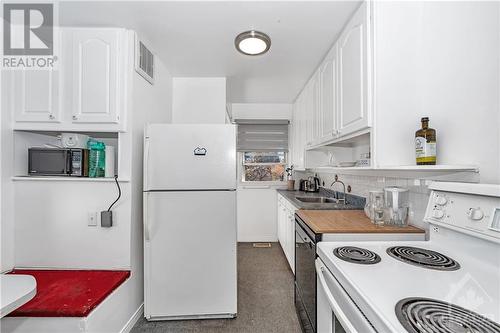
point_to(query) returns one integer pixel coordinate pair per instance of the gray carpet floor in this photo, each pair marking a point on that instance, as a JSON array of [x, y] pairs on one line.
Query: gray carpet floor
[[265, 299]]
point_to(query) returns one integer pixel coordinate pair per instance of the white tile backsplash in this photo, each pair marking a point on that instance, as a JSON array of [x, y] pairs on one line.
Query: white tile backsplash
[[361, 185]]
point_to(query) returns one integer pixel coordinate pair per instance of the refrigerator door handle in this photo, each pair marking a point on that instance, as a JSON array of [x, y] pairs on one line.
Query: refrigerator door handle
[[146, 162], [145, 217]]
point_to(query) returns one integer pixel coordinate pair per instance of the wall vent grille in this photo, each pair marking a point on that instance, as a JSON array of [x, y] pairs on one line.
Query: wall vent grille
[[144, 62]]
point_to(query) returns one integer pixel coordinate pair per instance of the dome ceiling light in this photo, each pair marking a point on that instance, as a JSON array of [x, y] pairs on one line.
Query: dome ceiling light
[[252, 43]]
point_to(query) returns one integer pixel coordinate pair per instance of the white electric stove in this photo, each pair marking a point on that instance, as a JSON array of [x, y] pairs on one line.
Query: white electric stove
[[450, 283]]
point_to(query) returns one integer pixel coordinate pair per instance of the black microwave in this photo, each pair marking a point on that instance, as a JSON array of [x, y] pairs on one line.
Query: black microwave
[[58, 162]]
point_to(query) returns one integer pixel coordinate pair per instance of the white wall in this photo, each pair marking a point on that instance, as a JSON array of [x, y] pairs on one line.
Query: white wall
[[439, 59], [261, 111], [6, 188], [256, 204], [199, 100], [256, 213], [150, 104], [51, 225]]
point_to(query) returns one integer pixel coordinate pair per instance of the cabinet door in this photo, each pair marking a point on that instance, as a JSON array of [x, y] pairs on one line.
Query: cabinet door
[[315, 102], [310, 111], [353, 73], [284, 244], [307, 114], [328, 96], [291, 233], [299, 136], [35, 95], [291, 142], [280, 221], [96, 75], [288, 238]]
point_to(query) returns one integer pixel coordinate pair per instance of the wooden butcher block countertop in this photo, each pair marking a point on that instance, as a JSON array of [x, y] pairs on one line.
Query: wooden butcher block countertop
[[347, 221]]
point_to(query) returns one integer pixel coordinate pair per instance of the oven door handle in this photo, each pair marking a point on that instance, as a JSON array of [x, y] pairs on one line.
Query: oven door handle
[[324, 274]]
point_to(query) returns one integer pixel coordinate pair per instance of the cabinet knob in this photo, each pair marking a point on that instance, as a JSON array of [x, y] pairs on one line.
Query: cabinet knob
[[51, 116], [75, 117]]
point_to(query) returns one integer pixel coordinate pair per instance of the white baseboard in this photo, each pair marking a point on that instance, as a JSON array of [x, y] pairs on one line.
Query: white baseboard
[[133, 320], [265, 239]]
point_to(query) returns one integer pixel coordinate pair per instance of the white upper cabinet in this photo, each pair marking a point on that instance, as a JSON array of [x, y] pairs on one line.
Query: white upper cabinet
[[309, 112], [96, 68], [84, 92], [353, 73], [36, 96], [335, 101], [299, 133], [328, 97], [315, 109], [311, 109]]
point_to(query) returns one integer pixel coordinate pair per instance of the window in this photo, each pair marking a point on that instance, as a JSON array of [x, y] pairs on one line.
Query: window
[[262, 147], [263, 166]]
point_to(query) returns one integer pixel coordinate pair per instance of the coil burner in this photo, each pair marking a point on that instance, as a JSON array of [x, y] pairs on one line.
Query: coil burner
[[423, 258], [425, 315], [356, 255]]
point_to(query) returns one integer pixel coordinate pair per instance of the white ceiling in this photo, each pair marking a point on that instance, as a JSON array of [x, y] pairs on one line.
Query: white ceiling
[[196, 38]]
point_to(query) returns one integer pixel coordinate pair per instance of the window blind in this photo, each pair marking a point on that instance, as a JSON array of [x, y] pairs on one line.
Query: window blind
[[262, 137]]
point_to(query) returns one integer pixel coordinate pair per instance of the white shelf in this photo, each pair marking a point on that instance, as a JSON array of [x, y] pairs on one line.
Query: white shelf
[[67, 179], [333, 168], [442, 167], [456, 173], [419, 168]]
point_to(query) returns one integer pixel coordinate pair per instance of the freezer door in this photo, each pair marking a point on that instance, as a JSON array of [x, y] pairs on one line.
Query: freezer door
[[190, 254], [183, 157]]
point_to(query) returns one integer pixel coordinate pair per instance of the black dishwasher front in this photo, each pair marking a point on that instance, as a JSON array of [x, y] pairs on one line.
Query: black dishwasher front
[[305, 275]]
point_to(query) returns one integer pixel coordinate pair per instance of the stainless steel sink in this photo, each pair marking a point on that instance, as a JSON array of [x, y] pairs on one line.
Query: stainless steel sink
[[317, 199]]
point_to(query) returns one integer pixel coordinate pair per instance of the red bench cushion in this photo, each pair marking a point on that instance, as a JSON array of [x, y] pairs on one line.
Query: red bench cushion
[[68, 293]]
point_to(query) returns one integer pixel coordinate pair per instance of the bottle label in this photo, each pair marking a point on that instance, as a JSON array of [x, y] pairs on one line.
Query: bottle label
[[425, 151]]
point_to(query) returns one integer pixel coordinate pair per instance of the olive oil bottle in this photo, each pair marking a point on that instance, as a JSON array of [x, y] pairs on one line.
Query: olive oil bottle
[[425, 144]]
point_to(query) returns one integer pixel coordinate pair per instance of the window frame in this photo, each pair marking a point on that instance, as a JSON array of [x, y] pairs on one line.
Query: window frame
[[241, 170]]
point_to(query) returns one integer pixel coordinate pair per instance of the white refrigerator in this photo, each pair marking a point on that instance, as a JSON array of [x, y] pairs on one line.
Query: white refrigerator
[[189, 221]]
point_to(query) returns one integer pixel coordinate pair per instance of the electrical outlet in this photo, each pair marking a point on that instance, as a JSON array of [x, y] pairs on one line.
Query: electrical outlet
[[92, 219]]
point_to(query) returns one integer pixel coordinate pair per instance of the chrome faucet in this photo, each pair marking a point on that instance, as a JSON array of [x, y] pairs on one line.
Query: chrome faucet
[[343, 185]]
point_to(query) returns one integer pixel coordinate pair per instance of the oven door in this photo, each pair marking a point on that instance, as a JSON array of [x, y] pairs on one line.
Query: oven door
[[337, 313]]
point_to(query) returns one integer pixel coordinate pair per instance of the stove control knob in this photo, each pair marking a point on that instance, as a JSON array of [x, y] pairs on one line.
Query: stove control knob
[[441, 201], [475, 214], [438, 214]]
